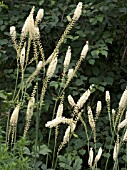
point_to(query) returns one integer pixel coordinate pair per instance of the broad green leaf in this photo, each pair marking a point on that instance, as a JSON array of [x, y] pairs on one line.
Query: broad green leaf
[[53, 84], [44, 150], [109, 80], [92, 61], [103, 52], [95, 71], [77, 164], [78, 82], [2, 95], [101, 88], [26, 151], [93, 80]]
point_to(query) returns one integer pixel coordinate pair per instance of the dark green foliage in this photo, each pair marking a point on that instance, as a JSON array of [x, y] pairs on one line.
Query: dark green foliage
[[104, 25]]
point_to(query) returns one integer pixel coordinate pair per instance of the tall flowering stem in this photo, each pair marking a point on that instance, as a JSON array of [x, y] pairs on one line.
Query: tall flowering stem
[[122, 107]]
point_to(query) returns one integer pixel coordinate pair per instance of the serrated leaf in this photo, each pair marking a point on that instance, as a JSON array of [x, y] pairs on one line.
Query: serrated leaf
[[44, 150], [105, 53], [2, 95], [101, 88], [79, 82], [93, 80], [77, 164], [109, 80], [91, 61], [95, 71], [26, 151]]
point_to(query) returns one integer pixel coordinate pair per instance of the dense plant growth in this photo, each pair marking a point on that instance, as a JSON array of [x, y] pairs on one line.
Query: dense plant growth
[[80, 141]]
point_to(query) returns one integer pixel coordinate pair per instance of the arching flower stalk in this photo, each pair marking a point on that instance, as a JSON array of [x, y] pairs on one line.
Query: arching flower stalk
[[49, 74], [35, 73], [90, 160], [116, 149], [122, 107], [13, 123], [66, 61], [91, 122], [39, 16], [98, 156], [71, 101], [13, 36], [98, 110], [82, 56], [29, 114], [67, 135], [76, 16]]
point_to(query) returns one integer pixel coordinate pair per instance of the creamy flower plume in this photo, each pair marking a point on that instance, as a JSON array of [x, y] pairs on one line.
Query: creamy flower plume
[[98, 156], [99, 107], [13, 32], [107, 97], [71, 101], [84, 50], [116, 149], [14, 116], [90, 117], [55, 122], [39, 66], [77, 11], [60, 110], [67, 58], [90, 160], [83, 99], [122, 124], [51, 68], [70, 73], [125, 136], [123, 100], [39, 16], [22, 56], [28, 26], [30, 108], [67, 135]]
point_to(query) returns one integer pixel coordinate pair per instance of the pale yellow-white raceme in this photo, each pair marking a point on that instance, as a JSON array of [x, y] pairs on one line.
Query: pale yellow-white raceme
[[99, 107], [60, 110], [90, 160], [123, 100], [125, 136], [84, 50], [126, 115], [13, 32], [14, 116], [90, 117], [107, 97], [122, 124], [70, 73], [40, 15], [116, 150], [29, 25], [22, 56], [113, 112], [36, 33], [67, 58], [98, 156], [55, 122], [30, 108], [83, 99], [67, 135], [39, 66], [51, 67], [71, 101], [77, 12]]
